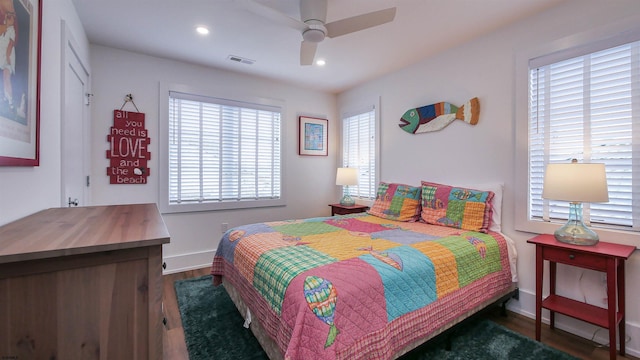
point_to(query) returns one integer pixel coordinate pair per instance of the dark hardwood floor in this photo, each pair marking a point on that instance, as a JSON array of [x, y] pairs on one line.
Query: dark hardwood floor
[[175, 348]]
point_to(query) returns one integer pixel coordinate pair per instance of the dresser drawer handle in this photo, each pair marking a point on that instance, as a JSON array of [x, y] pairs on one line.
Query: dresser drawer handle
[[571, 256]]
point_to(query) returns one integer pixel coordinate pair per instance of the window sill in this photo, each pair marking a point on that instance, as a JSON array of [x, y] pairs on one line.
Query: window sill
[[218, 206]]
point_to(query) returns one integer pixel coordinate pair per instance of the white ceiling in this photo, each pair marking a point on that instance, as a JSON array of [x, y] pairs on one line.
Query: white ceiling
[[166, 28]]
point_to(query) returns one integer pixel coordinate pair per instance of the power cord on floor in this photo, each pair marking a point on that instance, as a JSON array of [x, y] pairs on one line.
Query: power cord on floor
[[584, 296], [595, 332], [593, 337], [626, 340]]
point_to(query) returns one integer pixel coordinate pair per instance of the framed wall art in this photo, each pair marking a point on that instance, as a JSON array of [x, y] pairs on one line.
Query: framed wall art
[[20, 40], [313, 137]]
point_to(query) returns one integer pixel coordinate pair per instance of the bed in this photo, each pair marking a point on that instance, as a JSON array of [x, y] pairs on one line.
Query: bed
[[369, 285]]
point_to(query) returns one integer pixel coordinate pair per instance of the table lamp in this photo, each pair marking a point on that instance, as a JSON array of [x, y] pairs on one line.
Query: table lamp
[[576, 183], [346, 177]]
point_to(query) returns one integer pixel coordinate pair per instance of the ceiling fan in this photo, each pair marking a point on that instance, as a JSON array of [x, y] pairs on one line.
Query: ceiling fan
[[313, 26]]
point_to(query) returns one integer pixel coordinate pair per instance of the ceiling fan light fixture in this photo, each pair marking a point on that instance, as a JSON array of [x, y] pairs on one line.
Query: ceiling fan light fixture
[[315, 33]]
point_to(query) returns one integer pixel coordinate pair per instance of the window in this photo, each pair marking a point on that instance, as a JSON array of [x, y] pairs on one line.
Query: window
[[584, 103], [221, 154], [359, 149]]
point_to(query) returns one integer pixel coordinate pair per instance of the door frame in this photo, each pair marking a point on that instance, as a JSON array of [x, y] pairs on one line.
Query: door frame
[[69, 51]]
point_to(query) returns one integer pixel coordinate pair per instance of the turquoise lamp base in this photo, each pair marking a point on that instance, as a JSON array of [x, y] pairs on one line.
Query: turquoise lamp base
[[576, 235], [575, 231], [347, 201]]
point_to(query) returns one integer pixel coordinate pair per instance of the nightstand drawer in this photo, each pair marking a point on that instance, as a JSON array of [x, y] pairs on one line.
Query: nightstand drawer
[[576, 258], [337, 209]]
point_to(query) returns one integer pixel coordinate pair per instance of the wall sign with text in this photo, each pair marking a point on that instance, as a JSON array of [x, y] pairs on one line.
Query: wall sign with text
[[129, 140]]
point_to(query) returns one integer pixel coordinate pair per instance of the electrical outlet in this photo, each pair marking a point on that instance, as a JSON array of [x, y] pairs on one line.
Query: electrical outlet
[[224, 227]]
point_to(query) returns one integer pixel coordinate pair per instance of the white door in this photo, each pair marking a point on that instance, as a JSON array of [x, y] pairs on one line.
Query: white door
[[75, 125]]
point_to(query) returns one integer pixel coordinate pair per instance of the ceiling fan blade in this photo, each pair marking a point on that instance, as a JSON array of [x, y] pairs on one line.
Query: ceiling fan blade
[[360, 22], [307, 52], [272, 14]]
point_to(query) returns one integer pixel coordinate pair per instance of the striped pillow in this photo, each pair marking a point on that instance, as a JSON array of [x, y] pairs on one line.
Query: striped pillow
[[397, 202], [456, 207]]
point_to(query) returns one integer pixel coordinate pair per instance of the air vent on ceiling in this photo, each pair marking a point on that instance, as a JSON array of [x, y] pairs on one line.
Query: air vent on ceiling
[[241, 59]]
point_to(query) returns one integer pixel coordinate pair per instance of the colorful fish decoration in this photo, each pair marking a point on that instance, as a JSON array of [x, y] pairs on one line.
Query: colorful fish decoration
[[290, 238], [236, 235], [321, 297], [433, 204], [448, 222], [341, 222], [359, 233], [438, 116], [480, 245], [467, 194], [390, 259], [294, 239]]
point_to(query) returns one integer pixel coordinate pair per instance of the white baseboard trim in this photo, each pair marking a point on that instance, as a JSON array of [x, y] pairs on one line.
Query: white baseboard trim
[[526, 306], [190, 261]]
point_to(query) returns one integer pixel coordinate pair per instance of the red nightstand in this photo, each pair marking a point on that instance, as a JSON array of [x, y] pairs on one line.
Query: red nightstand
[[337, 209], [605, 257]]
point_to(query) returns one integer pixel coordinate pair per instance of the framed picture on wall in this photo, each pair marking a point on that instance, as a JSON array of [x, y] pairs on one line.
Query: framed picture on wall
[[20, 43], [313, 137]]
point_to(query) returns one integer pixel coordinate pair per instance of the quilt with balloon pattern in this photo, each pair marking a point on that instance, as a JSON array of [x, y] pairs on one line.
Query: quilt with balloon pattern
[[358, 286]]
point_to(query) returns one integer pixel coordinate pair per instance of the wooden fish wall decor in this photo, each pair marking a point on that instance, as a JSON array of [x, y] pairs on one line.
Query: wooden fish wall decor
[[438, 116]]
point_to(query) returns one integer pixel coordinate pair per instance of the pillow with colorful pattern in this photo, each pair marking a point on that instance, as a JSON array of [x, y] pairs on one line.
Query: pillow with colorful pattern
[[397, 202], [456, 207]]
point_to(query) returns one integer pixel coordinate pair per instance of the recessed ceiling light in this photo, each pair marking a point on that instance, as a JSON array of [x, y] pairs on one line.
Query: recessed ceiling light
[[320, 62], [202, 30]]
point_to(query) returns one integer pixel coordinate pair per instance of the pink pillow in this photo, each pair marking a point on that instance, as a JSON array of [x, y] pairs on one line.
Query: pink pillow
[[456, 207]]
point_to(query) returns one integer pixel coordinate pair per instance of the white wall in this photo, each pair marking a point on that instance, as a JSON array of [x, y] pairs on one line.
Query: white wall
[[462, 153], [308, 182], [459, 153], [25, 190]]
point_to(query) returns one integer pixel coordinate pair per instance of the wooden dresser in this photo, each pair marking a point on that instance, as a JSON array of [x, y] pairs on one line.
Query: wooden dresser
[[82, 283]]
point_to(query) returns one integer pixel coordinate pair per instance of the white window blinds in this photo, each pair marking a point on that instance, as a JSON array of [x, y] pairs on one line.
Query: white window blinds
[[222, 150], [587, 107], [359, 151]]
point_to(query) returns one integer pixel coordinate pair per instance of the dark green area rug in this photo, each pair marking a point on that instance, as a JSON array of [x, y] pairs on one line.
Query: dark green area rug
[[213, 330], [212, 324]]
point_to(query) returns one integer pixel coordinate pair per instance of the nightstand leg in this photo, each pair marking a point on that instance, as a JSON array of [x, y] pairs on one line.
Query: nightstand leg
[[621, 306], [611, 304], [539, 274], [552, 291]]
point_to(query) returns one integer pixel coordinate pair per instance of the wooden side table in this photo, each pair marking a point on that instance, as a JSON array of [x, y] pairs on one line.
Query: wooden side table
[[337, 209], [605, 257]]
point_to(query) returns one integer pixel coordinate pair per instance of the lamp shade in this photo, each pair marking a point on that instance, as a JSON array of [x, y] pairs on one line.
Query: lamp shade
[[347, 176], [576, 182]]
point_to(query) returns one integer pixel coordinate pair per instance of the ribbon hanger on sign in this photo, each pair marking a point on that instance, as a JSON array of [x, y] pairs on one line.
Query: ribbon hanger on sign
[[129, 98]]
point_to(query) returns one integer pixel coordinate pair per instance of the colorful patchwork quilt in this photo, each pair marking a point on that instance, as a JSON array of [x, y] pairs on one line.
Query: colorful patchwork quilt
[[359, 286]]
